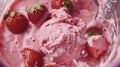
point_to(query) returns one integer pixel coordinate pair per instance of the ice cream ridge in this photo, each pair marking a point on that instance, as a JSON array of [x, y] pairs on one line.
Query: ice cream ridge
[[54, 33]]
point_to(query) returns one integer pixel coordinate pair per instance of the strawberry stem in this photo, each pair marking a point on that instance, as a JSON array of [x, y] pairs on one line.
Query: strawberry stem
[[35, 6], [93, 33], [12, 14], [19, 13], [6, 15], [68, 4]]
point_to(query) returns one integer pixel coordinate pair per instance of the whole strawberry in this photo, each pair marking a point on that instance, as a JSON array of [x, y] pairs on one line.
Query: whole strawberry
[[57, 4], [16, 22], [37, 14], [32, 58]]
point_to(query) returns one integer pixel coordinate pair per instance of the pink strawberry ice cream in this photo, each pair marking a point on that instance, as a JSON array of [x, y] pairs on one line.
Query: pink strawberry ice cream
[[68, 39]]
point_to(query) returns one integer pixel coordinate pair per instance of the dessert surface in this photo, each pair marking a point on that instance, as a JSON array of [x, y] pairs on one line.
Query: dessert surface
[[55, 33]]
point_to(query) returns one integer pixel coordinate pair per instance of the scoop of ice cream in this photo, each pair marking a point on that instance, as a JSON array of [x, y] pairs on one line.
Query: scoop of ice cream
[[61, 38]]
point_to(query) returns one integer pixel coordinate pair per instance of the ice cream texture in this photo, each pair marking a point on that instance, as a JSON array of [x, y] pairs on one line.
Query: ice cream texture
[[67, 38]]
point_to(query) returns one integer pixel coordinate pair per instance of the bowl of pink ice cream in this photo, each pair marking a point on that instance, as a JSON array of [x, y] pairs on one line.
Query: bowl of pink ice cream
[[59, 33]]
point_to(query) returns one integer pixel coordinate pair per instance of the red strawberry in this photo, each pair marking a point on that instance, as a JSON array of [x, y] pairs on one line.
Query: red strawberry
[[16, 22], [1, 45], [57, 4], [50, 66], [32, 58], [93, 52], [37, 14]]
